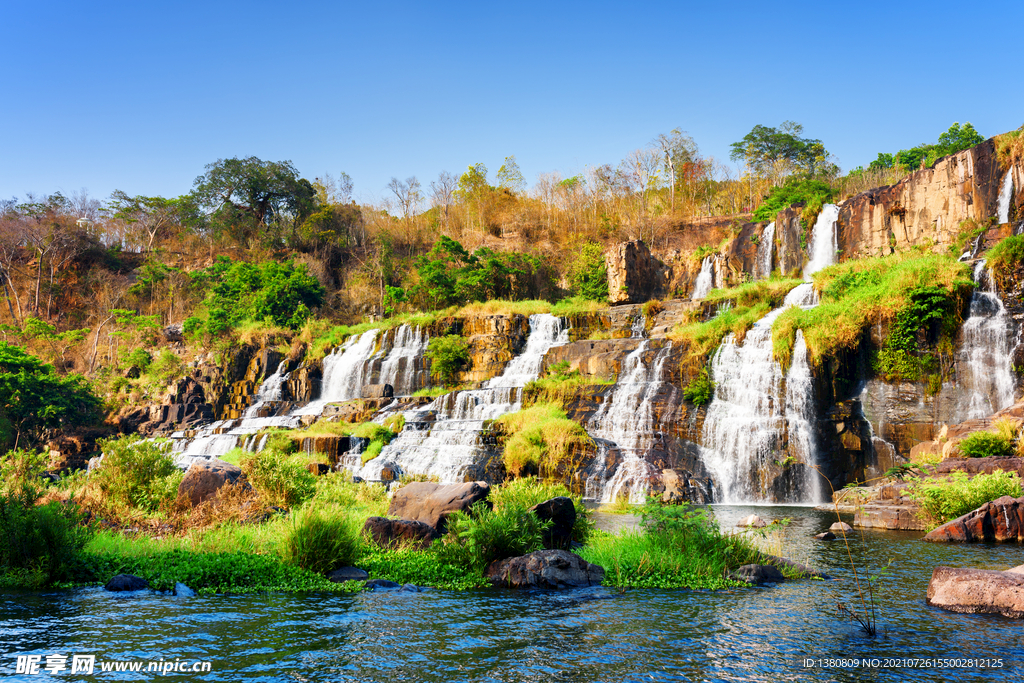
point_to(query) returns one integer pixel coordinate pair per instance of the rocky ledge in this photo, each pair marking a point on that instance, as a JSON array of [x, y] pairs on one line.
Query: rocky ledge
[[978, 591], [1000, 520]]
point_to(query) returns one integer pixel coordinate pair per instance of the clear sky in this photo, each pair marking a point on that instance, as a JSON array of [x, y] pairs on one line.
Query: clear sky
[[140, 96]]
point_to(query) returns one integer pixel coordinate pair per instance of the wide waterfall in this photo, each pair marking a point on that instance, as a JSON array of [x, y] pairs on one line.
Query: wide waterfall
[[765, 248], [984, 364], [626, 418], [705, 280], [1005, 195], [445, 439]]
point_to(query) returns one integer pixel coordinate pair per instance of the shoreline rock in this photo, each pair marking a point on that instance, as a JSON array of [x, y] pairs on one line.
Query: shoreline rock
[[978, 591]]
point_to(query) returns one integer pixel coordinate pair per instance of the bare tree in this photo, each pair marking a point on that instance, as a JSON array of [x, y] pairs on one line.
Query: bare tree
[[639, 172], [442, 194], [677, 149], [408, 195]]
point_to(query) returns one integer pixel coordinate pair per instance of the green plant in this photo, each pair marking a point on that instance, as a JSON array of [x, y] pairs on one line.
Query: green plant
[[986, 445], [484, 535], [137, 473], [700, 390], [323, 538], [946, 500], [588, 274], [541, 439], [447, 356], [528, 491], [1004, 258], [280, 480]]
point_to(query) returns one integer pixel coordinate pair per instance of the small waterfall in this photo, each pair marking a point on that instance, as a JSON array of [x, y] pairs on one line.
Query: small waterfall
[[1005, 195], [345, 371], [824, 241], [271, 390], [627, 419], [765, 248], [399, 368], [705, 278], [453, 442], [984, 364], [800, 414]]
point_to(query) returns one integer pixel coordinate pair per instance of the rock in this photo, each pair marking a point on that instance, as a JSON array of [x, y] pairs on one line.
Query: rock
[[318, 468], [999, 520], [410, 588], [545, 569], [682, 487], [752, 521], [561, 512], [378, 391], [840, 527], [183, 591], [393, 533], [887, 516], [781, 562], [382, 584], [758, 574], [632, 272], [977, 591], [431, 503], [204, 479], [347, 574], [826, 536], [126, 582], [174, 333], [1019, 569]]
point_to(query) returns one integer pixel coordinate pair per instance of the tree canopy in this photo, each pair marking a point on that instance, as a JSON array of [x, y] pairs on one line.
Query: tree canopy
[[764, 147]]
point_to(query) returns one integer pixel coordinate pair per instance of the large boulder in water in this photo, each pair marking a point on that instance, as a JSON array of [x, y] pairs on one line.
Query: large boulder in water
[[977, 591], [126, 582], [561, 512], [204, 479], [999, 520], [394, 533], [758, 574], [431, 503], [545, 569]]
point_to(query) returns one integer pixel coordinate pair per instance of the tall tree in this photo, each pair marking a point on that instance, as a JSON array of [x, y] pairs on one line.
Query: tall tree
[[510, 177], [677, 149], [407, 194], [144, 217], [777, 152], [442, 194]]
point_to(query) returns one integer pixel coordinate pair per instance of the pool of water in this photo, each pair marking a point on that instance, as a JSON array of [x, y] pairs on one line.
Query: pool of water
[[751, 634]]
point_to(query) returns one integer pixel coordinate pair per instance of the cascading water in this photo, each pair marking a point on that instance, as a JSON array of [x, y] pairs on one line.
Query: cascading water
[[824, 241], [627, 419], [765, 247], [399, 368], [344, 372], [984, 364], [705, 278], [1005, 195], [451, 444], [800, 412]]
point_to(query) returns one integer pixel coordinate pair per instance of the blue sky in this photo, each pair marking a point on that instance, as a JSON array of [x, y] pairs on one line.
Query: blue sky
[[141, 96]]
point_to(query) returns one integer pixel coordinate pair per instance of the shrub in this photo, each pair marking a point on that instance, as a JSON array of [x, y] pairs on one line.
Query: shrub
[[485, 535], [588, 274], [324, 538], [165, 367], [986, 444], [279, 479], [1004, 257], [137, 473], [793, 191], [541, 440], [527, 492], [447, 356], [140, 358], [701, 389], [378, 435], [946, 500]]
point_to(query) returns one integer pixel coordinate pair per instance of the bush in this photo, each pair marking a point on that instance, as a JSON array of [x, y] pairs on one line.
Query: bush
[[588, 274], [541, 440], [985, 445], [793, 191], [485, 535], [447, 356], [323, 539], [137, 473], [527, 492], [280, 480], [946, 500], [379, 436], [701, 389]]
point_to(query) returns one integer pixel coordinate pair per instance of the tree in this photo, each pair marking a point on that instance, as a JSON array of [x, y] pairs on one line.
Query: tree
[[510, 177], [33, 398], [447, 356], [245, 196], [408, 195], [677, 149], [442, 194], [149, 216], [777, 152], [958, 138]]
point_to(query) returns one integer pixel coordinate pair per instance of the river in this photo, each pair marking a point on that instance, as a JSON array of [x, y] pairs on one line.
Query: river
[[751, 634]]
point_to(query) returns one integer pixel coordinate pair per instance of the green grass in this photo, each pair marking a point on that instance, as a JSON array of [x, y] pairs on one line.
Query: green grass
[[1004, 257], [561, 389], [541, 440], [960, 494]]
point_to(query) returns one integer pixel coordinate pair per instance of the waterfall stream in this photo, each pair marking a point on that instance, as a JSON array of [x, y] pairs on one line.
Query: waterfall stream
[[705, 280], [1005, 195], [765, 247]]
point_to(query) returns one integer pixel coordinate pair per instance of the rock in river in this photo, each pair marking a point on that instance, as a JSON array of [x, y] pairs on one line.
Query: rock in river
[[977, 591], [545, 569]]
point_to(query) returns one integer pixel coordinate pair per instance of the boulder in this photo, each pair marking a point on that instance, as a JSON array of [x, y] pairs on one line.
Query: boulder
[[347, 574], [840, 527], [826, 536], [126, 582], [431, 503], [977, 591], [393, 533], [758, 574], [545, 569], [632, 272], [752, 521], [378, 391], [561, 512], [374, 584], [204, 479], [999, 520]]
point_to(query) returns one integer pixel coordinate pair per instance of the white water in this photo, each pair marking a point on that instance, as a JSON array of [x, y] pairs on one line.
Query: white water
[[705, 278], [765, 247], [1005, 194], [824, 242], [345, 371], [399, 368], [449, 446], [627, 419], [800, 413], [984, 364]]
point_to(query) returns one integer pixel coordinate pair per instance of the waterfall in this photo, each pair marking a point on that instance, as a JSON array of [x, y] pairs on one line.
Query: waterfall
[[345, 371], [824, 243], [984, 364], [447, 438], [271, 390], [705, 278], [1005, 195], [399, 368], [765, 248], [800, 414], [627, 419]]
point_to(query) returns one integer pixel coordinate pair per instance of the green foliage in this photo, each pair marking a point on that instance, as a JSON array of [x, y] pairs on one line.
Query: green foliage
[[986, 445], [946, 500], [324, 538], [588, 274], [541, 439], [527, 491], [137, 473], [281, 294], [701, 389], [764, 147], [34, 398], [379, 436], [165, 367], [431, 567], [1005, 257], [485, 535], [279, 479], [560, 386], [812, 192], [957, 138], [139, 358], [449, 275], [447, 356]]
